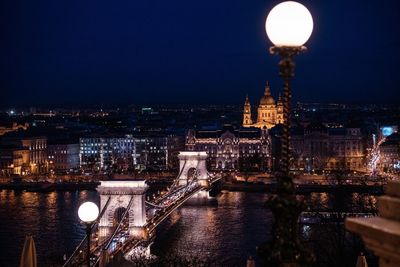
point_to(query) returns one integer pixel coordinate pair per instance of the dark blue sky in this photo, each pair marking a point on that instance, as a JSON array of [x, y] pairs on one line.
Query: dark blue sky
[[180, 51]]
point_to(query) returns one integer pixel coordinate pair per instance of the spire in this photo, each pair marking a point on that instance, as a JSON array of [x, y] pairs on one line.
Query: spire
[[247, 113], [247, 102], [267, 91]]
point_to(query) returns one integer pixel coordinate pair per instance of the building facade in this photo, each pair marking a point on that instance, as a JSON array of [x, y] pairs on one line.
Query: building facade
[[128, 153], [14, 161], [28, 154], [158, 152], [37, 153], [269, 113], [232, 149], [151, 153], [107, 153], [63, 157], [318, 148], [389, 153]]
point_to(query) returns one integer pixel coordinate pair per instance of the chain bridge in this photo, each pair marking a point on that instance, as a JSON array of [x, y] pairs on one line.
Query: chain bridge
[[127, 222]]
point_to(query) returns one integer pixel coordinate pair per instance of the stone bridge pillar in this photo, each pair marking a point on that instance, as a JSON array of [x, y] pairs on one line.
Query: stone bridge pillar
[[193, 163], [120, 193]]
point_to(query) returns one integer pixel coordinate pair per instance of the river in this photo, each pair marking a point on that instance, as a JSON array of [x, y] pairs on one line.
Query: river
[[223, 234]]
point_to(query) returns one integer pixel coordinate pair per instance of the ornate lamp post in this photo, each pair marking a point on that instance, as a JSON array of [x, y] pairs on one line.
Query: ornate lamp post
[[289, 25], [88, 213]]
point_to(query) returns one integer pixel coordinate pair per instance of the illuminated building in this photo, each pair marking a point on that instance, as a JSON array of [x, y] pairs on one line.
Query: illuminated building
[[107, 153], [389, 158], [14, 161], [175, 144], [128, 153], [269, 113], [158, 152], [26, 155], [317, 148], [151, 152], [37, 153], [231, 149], [63, 157]]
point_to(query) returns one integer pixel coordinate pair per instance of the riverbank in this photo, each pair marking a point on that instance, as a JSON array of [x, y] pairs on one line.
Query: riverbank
[[303, 188], [49, 187], [232, 187]]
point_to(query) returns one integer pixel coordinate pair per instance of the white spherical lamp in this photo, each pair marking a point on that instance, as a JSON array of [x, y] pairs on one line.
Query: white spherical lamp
[[88, 212], [289, 24]]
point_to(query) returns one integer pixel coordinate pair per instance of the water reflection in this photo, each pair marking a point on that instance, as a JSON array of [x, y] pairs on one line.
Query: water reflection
[[226, 234], [51, 218]]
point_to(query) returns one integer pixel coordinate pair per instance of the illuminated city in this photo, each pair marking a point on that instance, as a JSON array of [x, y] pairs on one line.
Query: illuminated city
[[224, 133]]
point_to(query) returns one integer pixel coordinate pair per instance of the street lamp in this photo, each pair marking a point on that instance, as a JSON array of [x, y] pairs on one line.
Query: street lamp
[[88, 213], [289, 25]]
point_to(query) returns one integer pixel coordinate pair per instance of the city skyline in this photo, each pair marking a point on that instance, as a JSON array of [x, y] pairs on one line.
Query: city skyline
[[196, 53], [199, 133]]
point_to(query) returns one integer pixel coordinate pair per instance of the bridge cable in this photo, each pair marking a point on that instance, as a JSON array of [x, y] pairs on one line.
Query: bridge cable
[[119, 224], [78, 248]]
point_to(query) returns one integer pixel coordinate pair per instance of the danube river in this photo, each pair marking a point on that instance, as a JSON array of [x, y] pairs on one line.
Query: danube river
[[223, 234]]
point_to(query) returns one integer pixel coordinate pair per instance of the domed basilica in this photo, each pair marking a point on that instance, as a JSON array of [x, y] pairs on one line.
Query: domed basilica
[[269, 113]]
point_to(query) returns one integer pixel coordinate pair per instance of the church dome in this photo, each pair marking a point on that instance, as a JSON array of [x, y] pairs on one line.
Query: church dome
[[267, 98]]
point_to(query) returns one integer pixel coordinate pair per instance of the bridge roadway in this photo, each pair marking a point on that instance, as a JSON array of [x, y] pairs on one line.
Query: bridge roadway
[[166, 204], [152, 224]]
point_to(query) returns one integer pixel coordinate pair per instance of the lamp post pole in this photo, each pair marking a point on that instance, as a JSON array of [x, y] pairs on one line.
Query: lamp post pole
[[88, 234], [88, 212], [286, 248], [286, 71]]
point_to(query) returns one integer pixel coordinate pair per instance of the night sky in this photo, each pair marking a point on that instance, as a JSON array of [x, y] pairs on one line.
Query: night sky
[[195, 52]]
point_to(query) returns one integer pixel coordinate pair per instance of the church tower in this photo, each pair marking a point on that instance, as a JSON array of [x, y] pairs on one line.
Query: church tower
[[279, 111], [247, 113]]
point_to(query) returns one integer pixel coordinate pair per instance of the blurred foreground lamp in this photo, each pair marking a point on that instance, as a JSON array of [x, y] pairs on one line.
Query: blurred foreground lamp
[[289, 25], [88, 213]]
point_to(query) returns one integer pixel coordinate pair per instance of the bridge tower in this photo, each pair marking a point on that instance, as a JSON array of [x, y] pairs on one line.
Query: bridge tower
[[193, 164], [121, 192]]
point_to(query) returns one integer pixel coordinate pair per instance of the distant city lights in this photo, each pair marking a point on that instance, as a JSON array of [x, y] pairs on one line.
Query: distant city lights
[[387, 130], [397, 165]]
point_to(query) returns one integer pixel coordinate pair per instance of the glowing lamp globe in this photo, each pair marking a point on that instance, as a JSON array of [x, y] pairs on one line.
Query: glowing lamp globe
[[88, 212], [289, 24]]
